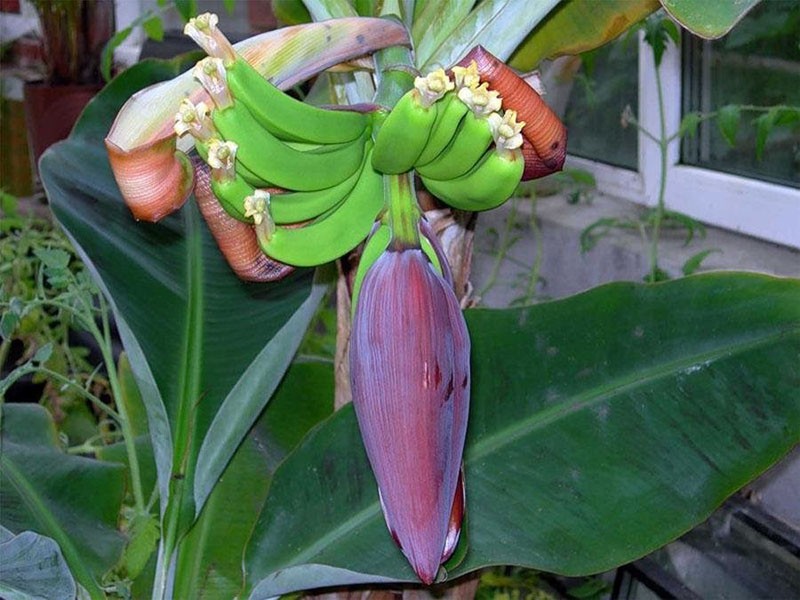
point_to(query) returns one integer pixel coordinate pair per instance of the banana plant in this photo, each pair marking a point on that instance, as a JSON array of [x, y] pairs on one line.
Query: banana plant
[[282, 185]]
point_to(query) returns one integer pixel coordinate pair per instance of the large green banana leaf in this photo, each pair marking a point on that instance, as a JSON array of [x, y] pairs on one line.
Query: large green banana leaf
[[190, 327], [576, 26], [210, 556], [602, 426], [72, 500]]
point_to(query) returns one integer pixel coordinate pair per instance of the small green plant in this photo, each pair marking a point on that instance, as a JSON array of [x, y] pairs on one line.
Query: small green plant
[[46, 298], [650, 224]]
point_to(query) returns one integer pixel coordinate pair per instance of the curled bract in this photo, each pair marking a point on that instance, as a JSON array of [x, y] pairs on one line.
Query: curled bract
[[409, 368], [236, 240], [155, 179], [544, 131]]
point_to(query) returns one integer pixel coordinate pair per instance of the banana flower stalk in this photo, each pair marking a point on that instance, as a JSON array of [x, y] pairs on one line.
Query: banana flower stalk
[[409, 368]]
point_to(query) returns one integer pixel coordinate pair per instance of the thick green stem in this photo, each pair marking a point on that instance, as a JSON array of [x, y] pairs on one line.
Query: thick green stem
[[404, 212], [394, 72]]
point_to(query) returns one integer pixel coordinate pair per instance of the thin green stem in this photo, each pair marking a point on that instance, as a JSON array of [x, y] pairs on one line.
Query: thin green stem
[[663, 145], [502, 251], [536, 268], [124, 420], [25, 369]]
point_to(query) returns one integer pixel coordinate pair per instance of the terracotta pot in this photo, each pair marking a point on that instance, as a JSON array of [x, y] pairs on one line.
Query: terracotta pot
[[51, 111]]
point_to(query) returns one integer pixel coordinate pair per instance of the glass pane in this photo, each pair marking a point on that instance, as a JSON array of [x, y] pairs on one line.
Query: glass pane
[[607, 82], [757, 64]]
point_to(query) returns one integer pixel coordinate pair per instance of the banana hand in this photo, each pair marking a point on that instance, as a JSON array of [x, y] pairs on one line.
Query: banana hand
[[405, 131]]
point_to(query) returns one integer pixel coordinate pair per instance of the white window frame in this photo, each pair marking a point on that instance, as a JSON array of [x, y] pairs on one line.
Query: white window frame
[[749, 206]]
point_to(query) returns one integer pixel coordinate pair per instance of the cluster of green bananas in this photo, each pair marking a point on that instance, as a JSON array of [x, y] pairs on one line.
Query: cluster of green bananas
[[302, 175], [465, 150]]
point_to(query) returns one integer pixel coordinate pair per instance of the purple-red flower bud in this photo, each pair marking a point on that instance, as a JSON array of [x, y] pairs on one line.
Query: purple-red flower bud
[[409, 369]]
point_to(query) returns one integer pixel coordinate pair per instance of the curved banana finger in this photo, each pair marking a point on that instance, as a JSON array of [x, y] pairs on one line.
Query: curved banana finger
[[332, 234], [473, 137], [448, 117], [286, 117], [276, 162], [490, 183]]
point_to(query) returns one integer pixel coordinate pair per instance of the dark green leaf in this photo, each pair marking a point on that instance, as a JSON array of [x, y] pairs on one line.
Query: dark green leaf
[[616, 420], [728, 119], [764, 126], [107, 55], [8, 323], [144, 533], [73, 500], [706, 19], [230, 6], [191, 329], [154, 28], [33, 567], [290, 12], [186, 8], [694, 262], [210, 557], [657, 35]]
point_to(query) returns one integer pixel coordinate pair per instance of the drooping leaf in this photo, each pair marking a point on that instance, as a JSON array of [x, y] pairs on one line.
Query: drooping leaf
[[191, 329], [577, 26], [154, 28], [689, 124], [658, 33], [764, 125], [709, 20], [694, 262], [602, 426], [728, 119], [497, 25], [73, 500], [33, 567]]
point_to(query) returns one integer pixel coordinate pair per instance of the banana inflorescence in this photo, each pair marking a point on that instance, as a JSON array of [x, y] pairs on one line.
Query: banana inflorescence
[[299, 175], [309, 179]]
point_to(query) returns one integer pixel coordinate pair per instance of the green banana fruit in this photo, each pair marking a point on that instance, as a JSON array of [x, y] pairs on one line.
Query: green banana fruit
[[488, 184], [332, 234], [289, 207], [450, 113], [286, 117], [274, 161], [462, 153], [405, 131], [377, 243]]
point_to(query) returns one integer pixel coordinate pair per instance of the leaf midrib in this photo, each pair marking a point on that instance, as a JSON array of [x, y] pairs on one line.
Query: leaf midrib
[[509, 435]]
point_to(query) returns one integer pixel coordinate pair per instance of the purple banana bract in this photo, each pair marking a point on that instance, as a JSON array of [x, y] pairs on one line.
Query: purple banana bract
[[409, 368]]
